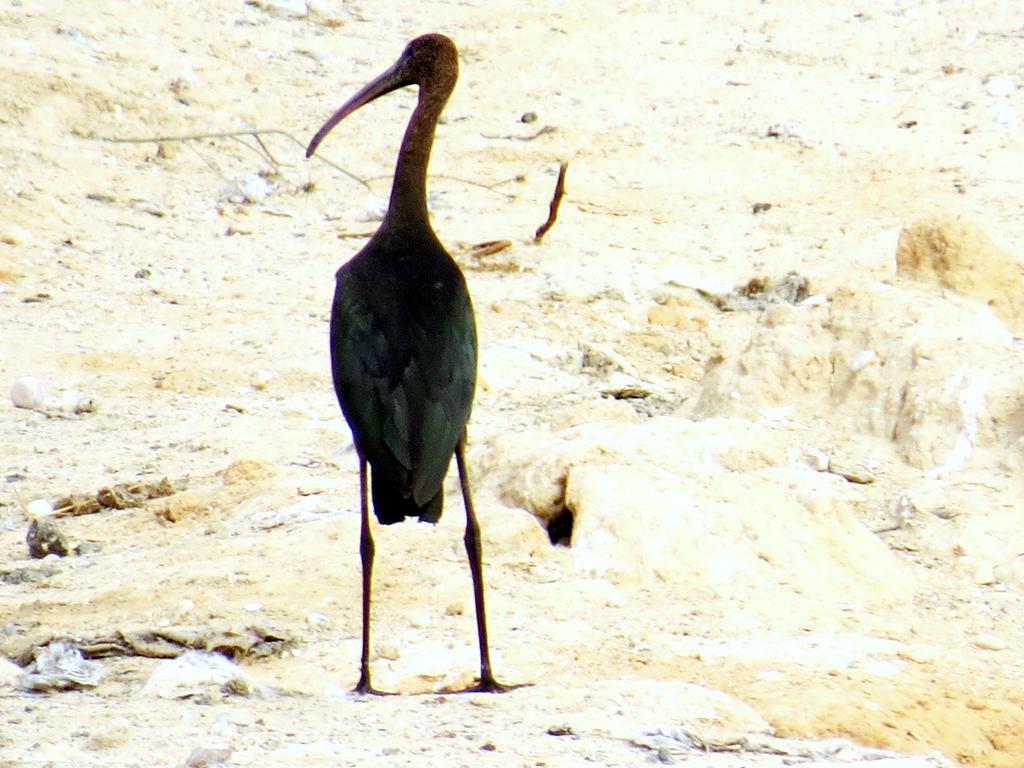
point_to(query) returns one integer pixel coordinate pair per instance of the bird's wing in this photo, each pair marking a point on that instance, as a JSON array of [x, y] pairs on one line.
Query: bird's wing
[[404, 376], [443, 381]]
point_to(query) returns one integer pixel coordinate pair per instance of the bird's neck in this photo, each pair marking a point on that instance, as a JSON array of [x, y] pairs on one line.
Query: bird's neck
[[408, 206]]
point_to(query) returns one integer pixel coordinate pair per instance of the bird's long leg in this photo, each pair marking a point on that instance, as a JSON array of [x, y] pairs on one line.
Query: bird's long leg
[[472, 538], [366, 550]]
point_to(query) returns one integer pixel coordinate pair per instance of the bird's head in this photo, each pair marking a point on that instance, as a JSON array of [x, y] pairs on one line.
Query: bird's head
[[430, 61]]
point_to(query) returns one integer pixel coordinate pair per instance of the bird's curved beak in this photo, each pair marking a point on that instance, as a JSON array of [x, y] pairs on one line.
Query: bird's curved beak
[[394, 78]]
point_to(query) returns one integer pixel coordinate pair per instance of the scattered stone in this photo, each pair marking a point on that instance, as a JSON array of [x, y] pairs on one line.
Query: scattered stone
[[45, 538], [989, 642], [12, 234], [388, 650], [250, 188], [197, 672], [39, 508], [852, 473], [985, 574], [816, 459], [207, 757], [261, 379], [999, 86], [919, 654]]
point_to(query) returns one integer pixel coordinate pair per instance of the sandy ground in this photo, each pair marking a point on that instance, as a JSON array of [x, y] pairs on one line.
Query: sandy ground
[[730, 576]]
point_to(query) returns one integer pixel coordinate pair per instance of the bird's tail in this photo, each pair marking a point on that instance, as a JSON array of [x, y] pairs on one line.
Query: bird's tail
[[391, 506]]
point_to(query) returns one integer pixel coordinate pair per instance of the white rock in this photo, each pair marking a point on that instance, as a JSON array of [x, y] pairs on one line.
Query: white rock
[[39, 508], [862, 359], [27, 392], [12, 234], [261, 379], [816, 459], [194, 672], [999, 86], [250, 188]]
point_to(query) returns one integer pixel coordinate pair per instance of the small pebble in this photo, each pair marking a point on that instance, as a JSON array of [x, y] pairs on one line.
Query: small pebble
[[528, 117], [253, 607], [816, 459], [261, 379], [12, 234], [862, 359], [39, 508], [985, 574], [251, 188], [989, 642], [388, 651], [999, 86], [919, 654]]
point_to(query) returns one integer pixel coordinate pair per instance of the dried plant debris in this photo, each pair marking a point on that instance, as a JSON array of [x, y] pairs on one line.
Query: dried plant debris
[[59, 666], [757, 293], [45, 538], [480, 257], [169, 643], [676, 743], [120, 496]]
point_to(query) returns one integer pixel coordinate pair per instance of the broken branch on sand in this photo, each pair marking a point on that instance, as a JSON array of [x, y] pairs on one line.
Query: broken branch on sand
[[256, 134], [556, 200]]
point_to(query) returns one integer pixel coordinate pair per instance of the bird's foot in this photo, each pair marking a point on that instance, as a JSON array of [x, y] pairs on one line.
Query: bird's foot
[[364, 687], [488, 684]]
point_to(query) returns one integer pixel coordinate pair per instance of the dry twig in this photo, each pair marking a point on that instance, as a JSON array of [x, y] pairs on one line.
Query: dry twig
[[237, 136], [556, 200]]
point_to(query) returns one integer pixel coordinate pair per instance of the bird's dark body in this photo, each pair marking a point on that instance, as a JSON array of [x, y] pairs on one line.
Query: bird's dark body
[[403, 343], [403, 356]]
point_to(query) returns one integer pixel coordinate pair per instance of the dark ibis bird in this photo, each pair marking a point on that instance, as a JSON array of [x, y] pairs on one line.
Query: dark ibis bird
[[403, 341]]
